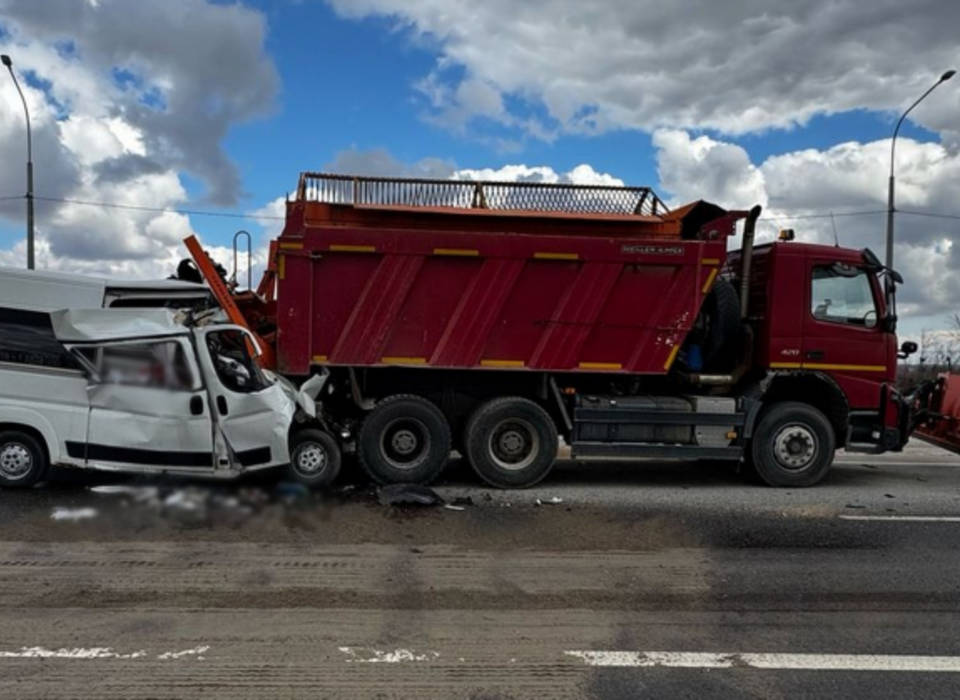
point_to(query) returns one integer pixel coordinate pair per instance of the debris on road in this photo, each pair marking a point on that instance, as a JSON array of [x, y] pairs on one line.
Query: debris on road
[[555, 501], [73, 514], [409, 495]]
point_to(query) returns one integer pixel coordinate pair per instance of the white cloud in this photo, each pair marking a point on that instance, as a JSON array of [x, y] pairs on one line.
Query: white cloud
[[844, 178], [734, 67], [123, 98]]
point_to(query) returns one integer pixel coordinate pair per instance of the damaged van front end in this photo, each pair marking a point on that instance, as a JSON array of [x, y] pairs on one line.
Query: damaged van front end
[[152, 392]]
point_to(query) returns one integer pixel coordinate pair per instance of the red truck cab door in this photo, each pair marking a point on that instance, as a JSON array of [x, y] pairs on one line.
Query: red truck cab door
[[843, 333]]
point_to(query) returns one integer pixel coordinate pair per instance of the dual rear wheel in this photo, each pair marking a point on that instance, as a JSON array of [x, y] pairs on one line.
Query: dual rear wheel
[[510, 442]]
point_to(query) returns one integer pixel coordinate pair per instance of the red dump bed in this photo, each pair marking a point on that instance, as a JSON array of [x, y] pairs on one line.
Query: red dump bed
[[490, 275]]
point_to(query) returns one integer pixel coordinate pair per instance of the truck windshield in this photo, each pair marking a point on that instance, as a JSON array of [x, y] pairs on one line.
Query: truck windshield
[[237, 369], [842, 296]]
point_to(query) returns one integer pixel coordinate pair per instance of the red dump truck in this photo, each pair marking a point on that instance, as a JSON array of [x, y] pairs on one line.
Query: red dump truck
[[492, 318]]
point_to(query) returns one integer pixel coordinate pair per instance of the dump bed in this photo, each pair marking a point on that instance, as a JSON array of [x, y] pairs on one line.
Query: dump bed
[[375, 271]]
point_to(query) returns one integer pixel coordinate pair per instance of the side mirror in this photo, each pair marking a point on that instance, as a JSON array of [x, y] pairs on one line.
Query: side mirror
[[906, 349]]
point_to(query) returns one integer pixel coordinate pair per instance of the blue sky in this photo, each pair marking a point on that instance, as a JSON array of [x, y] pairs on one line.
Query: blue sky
[[797, 118]]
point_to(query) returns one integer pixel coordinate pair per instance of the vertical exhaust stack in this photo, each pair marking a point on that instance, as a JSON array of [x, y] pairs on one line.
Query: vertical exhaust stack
[[749, 229]]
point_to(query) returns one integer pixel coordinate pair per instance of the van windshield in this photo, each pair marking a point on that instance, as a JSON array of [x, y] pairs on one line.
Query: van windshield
[[236, 367]]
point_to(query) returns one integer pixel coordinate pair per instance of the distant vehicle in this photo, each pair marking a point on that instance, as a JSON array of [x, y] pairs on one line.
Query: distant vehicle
[[492, 316], [43, 290], [146, 390]]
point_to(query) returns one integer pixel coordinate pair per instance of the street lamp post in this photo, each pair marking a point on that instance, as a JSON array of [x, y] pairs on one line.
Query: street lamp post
[[893, 144], [5, 59]]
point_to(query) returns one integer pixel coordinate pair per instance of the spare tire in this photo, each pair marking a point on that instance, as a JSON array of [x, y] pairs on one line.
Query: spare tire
[[721, 312]]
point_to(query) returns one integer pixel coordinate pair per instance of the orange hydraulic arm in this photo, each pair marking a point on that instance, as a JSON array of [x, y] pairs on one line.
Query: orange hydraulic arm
[[267, 358]]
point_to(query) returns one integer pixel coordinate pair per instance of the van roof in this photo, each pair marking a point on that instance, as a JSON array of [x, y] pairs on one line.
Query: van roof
[[97, 325], [47, 290]]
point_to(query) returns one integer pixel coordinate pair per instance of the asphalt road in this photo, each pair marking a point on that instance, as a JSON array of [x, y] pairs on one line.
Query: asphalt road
[[645, 580]]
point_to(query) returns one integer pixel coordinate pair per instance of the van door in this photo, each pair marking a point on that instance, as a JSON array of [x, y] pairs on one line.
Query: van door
[[148, 407], [254, 413]]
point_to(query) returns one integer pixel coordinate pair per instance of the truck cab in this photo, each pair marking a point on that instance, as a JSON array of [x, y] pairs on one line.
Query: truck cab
[[826, 334], [140, 390]]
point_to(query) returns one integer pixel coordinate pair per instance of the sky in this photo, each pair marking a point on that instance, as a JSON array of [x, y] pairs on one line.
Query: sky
[[215, 107]]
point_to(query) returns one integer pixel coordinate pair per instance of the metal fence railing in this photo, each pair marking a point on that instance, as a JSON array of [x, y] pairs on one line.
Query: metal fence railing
[[474, 194]]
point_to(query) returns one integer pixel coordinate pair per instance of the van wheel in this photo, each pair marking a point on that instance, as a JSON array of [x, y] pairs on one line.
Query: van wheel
[[314, 458], [511, 442], [405, 439], [22, 459], [793, 445]]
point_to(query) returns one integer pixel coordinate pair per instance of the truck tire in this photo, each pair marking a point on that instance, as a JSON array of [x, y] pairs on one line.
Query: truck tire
[[405, 439], [722, 309], [23, 461], [511, 442], [314, 458], [793, 445]]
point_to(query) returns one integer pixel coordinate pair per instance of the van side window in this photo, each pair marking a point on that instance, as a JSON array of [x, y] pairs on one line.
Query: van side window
[[26, 338], [160, 365], [236, 367], [842, 294]]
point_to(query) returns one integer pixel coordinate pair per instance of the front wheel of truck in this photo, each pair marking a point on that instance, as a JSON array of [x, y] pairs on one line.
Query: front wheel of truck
[[314, 458], [793, 445]]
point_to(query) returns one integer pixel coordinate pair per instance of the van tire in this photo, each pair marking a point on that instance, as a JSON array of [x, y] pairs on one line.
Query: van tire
[[793, 445], [314, 458], [511, 442], [405, 439], [23, 461]]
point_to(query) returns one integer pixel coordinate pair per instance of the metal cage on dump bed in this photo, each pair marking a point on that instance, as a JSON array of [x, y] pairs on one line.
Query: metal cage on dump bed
[[479, 275]]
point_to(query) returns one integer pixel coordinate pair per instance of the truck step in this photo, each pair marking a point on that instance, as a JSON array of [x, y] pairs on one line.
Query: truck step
[[653, 451]]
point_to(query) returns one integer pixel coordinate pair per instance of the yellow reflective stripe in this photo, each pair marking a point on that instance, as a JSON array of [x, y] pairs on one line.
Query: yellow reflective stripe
[[827, 365], [345, 248], [467, 252], [673, 356], [403, 360], [710, 261], [600, 365], [501, 363], [853, 368], [291, 245], [319, 358], [281, 266], [710, 278], [556, 256]]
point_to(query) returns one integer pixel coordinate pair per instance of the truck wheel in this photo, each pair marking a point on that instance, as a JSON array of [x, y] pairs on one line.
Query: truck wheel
[[23, 461], [405, 439], [314, 458], [722, 307], [793, 445], [511, 442]]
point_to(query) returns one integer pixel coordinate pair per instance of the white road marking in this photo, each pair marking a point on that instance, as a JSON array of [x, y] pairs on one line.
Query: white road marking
[[905, 518], [801, 662], [376, 656], [196, 651], [95, 653]]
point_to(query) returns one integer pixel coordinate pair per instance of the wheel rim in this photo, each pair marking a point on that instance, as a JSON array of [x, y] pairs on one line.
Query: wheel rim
[[404, 442], [513, 444], [795, 446], [16, 460], [311, 459]]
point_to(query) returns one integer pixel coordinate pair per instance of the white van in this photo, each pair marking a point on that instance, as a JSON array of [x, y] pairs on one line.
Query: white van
[[139, 390], [44, 290]]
